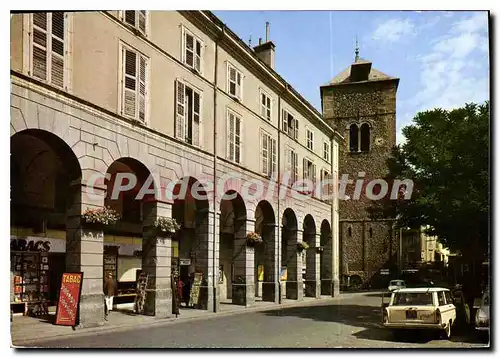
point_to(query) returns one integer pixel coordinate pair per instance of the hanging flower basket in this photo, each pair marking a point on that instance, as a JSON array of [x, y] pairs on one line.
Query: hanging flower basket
[[166, 226], [253, 239], [100, 217], [301, 246]]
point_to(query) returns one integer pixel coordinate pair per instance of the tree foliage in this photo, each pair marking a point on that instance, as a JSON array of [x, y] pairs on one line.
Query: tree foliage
[[446, 154]]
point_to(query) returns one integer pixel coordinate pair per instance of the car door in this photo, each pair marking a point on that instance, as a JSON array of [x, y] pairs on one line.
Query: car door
[[446, 306]]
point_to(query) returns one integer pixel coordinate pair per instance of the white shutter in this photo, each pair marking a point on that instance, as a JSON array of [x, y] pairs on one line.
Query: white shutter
[[288, 162], [142, 21], [142, 88], [264, 152], [296, 166], [305, 173], [273, 156], [196, 118], [230, 136], [57, 53], [189, 41], [180, 111], [238, 84], [40, 43], [313, 174], [130, 83], [197, 56], [284, 121], [237, 139], [296, 128]]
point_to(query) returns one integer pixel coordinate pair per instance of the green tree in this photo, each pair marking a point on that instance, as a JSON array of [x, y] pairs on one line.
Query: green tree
[[446, 154]]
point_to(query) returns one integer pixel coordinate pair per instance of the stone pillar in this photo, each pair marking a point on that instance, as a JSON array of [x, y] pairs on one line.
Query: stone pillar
[[313, 283], [156, 262], [335, 259], [214, 220], [244, 284], [294, 283], [205, 257], [326, 262], [270, 290], [84, 253]]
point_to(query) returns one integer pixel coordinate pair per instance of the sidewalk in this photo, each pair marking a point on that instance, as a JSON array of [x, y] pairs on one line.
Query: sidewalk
[[29, 330]]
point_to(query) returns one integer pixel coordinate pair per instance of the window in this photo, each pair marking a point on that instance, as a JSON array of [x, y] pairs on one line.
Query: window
[[413, 299], [234, 137], [326, 184], [370, 232], [136, 19], [292, 164], [310, 139], [290, 125], [326, 151], [268, 153], [441, 299], [353, 138], [192, 52], [234, 82], [265, 106], [188, 109], [449, 299], [365, 137], [134, 67], [48, 47], [309, 170], [349, 232]]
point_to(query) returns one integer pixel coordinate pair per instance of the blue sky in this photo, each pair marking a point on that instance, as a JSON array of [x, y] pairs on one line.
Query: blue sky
[[440, 57]]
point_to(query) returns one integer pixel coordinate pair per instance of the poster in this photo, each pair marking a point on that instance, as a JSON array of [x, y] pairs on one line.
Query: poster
[[260, 271], [69, 299], [195, 289]]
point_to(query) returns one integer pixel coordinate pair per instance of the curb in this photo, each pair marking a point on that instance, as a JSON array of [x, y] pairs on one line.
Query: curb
[[20, 343]]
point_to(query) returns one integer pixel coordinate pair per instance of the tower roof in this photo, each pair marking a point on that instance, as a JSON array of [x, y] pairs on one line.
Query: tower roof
[[360, 71]]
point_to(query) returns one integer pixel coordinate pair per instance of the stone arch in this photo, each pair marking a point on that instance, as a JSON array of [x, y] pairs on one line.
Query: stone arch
[[289, 256], [265, 254], [310, 258]]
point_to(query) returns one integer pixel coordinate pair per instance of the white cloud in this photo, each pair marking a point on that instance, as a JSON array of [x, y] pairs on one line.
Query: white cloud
[[393, 29], [450, 75]]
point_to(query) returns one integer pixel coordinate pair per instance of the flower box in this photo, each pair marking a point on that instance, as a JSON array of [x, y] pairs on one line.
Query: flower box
[[301, 246], [253, 239], [166, 227], [99, 218]]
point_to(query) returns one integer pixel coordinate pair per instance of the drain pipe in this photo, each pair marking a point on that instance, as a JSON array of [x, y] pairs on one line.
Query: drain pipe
[[215, 233]]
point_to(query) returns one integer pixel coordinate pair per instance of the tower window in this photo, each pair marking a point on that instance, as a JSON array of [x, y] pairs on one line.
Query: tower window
[[370, 232], [353, 138], [349, 232], [365, 137]]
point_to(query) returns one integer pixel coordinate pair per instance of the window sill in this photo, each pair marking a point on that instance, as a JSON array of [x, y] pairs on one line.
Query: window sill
[[359, 153]]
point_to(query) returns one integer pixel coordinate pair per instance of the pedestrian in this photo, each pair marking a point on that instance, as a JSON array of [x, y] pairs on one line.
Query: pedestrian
[[109, 293], [175, 297], [180, 289]]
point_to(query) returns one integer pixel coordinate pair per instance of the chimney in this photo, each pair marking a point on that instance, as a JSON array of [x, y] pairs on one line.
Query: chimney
[[265, 51]]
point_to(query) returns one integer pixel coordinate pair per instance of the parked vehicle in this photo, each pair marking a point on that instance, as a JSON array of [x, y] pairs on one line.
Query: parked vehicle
[[430, 308], [396, 284], [482, 319]]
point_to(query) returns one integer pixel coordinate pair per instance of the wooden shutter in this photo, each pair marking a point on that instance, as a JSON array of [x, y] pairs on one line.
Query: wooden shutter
[[197, 56], [272, 168], [142, 21], [142, 88], [305, 173], [237, 139], [57, 54], [130, 17], [238, 84], [296, 128], [129, 83], [295, 166], [180, 112], [232, 81], [264, 152], [263, 105], [313, 174], [231, 136], [284, 121], [288, 161], [189, 50], [196, 118], [40, 43]]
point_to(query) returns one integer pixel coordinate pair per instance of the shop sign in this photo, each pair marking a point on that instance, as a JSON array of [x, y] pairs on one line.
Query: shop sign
[[185, 262], [69, 299], [37, 244]]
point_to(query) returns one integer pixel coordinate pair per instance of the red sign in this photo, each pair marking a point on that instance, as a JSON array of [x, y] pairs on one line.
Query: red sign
[[69, 299]]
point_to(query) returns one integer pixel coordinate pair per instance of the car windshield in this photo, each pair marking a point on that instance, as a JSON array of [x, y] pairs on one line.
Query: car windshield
[[413, 298], [396, 283]]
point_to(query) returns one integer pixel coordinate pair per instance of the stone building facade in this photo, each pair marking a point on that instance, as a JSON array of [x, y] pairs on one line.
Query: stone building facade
[[360, 103], [177, 97]]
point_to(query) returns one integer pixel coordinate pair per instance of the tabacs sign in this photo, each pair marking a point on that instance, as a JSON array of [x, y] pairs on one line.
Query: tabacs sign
[[29, 245]]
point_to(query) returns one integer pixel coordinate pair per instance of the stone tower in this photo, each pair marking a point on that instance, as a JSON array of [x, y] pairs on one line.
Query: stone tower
[[360, 103]]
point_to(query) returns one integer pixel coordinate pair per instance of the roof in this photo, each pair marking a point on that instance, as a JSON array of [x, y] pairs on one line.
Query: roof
[[421, 289], [345, 76]]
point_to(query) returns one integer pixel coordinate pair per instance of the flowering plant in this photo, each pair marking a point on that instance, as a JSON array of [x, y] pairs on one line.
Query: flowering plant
[[104, 216], [168, 225], [253, 238], [301, 246]]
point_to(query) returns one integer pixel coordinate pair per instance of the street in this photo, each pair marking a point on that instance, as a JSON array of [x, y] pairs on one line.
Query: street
[[352, 321]]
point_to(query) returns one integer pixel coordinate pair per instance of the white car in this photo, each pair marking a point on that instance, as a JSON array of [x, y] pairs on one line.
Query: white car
[[482, 320], [420, 308], [396, 284]]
